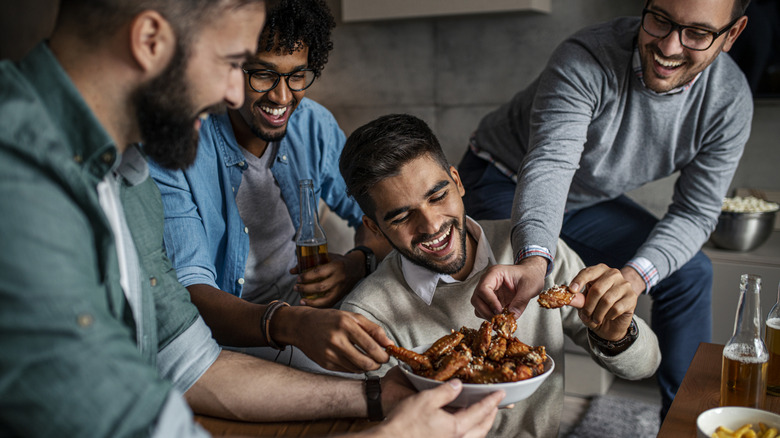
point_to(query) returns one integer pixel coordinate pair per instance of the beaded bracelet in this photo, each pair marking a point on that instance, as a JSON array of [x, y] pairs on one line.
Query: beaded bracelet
[[265, 325]]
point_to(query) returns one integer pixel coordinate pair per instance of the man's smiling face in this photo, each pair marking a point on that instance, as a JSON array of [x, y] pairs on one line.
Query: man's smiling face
[[201, 78], [420, 212], [666, 64], [268, 113]]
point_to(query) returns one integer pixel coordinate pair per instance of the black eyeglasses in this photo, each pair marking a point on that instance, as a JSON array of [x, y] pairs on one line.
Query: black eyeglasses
[[691, 37], [262, 80]]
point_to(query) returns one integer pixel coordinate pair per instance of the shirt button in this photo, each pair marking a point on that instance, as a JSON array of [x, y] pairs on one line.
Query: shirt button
[[284, 157], [78, 159], [234, 189], [85, 320], [240, 281], [107, 157], [241, 163], [246, 230], [153, 281]]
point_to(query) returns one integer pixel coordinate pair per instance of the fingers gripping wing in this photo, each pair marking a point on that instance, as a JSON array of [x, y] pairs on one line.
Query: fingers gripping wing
[[556, 297]]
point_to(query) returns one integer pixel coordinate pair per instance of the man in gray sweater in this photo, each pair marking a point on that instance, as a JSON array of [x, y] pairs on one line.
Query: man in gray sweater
[[396, 170], [619, 105]]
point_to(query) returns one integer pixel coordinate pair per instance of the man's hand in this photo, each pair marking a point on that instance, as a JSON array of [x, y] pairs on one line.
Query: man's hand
[[633, 277], [335, 339], [607, 303], [511, 286], [422, 415], [395, 389], [332, 280]]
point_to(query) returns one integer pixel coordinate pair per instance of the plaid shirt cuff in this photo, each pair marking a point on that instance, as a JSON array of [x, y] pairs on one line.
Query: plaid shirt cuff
[[646, 270], [533, 250]]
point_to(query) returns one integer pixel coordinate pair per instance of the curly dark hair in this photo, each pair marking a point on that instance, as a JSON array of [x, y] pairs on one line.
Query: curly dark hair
[[291, 24]]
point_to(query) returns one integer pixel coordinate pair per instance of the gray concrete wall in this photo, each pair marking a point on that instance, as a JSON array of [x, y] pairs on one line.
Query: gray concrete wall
[[452, 71]]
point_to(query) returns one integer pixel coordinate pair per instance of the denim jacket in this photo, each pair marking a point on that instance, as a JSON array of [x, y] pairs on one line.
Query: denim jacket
[[204, 235]]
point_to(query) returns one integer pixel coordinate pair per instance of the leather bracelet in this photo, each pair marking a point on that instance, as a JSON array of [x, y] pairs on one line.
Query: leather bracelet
[[613, 348], [374, 398], [265, 325], [370, 258]]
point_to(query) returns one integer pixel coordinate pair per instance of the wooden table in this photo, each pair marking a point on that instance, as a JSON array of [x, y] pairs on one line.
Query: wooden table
[[219, 427], [700, 390]]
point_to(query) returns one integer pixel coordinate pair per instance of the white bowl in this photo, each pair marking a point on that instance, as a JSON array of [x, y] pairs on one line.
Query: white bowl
[[472, 393], [733, 417]]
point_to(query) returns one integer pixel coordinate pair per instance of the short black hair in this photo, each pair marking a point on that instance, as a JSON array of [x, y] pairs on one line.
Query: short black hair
[[378, 150], [738, 9], [740, 6], [292, 24], [94, 19]]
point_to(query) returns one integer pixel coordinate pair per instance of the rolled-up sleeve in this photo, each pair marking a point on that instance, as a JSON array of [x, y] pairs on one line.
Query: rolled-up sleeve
[[186, 240], [188, 356]]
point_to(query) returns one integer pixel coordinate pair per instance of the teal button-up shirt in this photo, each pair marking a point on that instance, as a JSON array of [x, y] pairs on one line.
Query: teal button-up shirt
[[74, 359]]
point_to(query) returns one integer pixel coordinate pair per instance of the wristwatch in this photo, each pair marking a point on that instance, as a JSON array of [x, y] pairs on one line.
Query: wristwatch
[[374, 398], [613, 348], [370, 258]]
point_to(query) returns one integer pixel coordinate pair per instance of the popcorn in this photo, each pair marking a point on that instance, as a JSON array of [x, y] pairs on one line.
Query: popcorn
[[748, 204]]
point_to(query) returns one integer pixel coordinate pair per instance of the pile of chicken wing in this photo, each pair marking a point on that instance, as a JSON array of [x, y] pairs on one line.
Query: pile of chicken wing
[[490, 354]]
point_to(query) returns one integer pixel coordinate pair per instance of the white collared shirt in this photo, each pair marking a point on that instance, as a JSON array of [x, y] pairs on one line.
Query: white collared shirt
[[423, 281], [132, 167]]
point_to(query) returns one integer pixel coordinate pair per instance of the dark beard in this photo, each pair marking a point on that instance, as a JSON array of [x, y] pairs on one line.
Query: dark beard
[[166, 116], [267, 137], [419, 259], [647, 72]]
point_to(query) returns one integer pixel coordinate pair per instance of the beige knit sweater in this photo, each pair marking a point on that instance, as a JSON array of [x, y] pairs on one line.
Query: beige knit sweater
[[385, 298]]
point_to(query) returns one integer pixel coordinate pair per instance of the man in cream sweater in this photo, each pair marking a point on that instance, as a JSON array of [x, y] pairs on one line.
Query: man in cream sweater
[[397, 172]]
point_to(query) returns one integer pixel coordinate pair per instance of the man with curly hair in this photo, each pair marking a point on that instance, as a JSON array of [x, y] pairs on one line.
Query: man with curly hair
[[230, 218]]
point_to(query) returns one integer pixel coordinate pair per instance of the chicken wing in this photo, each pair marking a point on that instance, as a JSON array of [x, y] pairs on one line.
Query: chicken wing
[[556, 297]]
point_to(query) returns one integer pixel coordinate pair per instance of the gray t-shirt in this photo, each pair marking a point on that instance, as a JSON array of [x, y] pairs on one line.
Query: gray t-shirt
[[271, 232], [587, 130]]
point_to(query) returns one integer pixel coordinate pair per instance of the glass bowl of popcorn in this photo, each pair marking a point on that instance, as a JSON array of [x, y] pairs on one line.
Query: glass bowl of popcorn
[[745, 223]]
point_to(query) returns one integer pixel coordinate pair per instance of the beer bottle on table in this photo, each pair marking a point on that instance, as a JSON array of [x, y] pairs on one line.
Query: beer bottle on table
[[744, 370], [311, 246], [772, 336]]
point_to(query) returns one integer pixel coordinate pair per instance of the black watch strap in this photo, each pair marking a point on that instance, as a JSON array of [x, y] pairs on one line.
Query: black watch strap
[[613, 348], [374, 398], [370, 258]]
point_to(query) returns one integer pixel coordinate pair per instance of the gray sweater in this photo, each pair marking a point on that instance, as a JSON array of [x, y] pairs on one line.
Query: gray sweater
[[587, 130], [385, 298]]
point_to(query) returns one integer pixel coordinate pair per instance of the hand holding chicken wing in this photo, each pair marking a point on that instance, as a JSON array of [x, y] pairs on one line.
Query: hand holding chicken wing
[[607, 303]]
